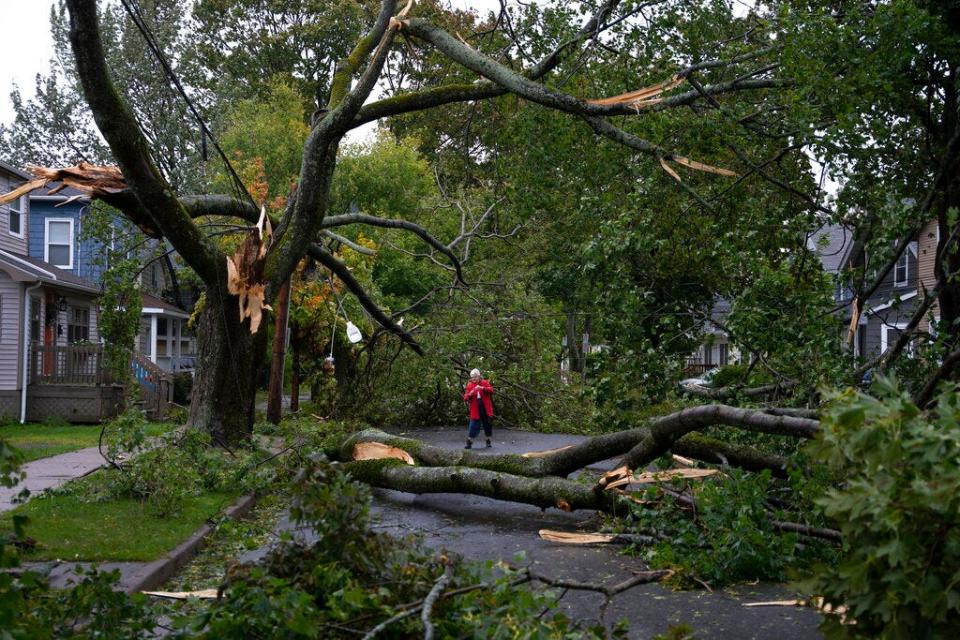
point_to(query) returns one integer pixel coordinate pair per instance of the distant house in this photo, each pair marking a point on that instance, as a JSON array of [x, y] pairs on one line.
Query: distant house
[[56, 236], [50, 357], [716, 349], [888, 311]]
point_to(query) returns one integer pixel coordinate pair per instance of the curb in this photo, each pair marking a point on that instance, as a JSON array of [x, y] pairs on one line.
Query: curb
[[153, 574]]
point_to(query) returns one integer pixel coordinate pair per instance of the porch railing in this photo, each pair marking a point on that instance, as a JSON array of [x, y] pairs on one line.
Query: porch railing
[[67, 364], [696, 369], [156, 386]]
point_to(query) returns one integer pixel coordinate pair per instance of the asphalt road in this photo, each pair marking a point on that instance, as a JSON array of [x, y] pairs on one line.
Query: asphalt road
[[484, 529]]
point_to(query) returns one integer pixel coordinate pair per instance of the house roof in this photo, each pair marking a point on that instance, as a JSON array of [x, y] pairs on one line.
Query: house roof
[[832, 244], [20, 173], [154, 305], [27, 269]]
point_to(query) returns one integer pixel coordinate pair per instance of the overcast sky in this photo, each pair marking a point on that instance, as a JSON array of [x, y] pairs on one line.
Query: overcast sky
[[25, 47]]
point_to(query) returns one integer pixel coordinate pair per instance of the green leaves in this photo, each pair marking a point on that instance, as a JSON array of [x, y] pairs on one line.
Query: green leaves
[[899, 511]]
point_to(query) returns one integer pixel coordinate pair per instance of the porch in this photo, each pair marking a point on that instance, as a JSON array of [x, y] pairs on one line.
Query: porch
[[71, 382]]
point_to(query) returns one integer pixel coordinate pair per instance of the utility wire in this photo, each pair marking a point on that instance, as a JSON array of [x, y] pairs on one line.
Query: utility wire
[[133, 10]]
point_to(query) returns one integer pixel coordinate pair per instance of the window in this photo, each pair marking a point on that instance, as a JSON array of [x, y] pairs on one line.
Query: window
[[162, 327], [902, 270], [59, 244], [78, 325], [15, 216], [724, 354]]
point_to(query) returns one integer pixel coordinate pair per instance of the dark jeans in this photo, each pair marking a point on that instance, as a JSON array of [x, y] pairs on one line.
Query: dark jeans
[[476, 424]]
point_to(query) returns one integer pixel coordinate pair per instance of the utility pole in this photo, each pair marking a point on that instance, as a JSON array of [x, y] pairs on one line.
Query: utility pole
[[275, 391]]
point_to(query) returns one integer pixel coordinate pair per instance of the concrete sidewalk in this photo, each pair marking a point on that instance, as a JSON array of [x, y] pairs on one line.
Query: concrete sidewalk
[[54, 471]]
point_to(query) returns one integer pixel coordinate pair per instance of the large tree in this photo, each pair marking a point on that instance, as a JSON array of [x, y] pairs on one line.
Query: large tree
[[229, 352]]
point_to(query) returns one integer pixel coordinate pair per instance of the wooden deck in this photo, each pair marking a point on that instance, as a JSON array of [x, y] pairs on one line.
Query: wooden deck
[[71, 382]]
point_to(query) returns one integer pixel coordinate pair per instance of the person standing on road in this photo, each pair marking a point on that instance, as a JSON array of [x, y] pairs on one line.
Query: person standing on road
[[478, 397]]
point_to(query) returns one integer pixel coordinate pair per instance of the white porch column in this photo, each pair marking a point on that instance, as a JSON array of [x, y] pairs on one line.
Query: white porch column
[[153, 338], [176, 348]]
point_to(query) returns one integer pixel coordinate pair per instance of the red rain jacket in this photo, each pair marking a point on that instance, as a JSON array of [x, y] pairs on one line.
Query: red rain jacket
[[479, 391]]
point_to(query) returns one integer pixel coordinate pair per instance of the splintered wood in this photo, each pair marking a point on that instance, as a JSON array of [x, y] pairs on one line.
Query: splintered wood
[[90, 179], [245, 272], [565, 537], [545, 452], [622, 476], [641, 98], [815, 602], [380, 451], [203, 594]]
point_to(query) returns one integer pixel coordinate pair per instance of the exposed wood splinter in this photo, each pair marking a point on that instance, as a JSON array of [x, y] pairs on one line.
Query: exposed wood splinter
[[380, 451], [203, 594], [545, 452], [245, 277]]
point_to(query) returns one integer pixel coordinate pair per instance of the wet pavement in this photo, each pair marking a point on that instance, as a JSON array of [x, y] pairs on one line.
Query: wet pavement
[[485, 529]]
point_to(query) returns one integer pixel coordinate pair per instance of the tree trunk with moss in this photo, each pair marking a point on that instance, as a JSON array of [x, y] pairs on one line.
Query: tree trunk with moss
[[228, 360]]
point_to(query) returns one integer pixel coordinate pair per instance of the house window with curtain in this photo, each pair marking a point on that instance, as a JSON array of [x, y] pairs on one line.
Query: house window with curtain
[[78, 325], [58, 249], [15, 216]]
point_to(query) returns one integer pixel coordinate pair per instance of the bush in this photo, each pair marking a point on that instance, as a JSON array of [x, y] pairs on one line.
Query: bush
[[730, 539], [182, 388], [899, 511]]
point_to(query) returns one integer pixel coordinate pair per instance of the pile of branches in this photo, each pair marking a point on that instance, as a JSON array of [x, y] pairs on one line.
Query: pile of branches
[[542, 478]]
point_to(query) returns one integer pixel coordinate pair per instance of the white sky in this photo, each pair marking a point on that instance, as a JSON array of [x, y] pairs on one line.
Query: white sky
[[25, 48]]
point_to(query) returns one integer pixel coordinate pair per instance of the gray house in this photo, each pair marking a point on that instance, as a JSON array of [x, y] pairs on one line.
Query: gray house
[[50, 356], [886, 313]]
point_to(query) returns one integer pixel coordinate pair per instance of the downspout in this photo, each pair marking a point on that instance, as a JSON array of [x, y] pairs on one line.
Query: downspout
[[25, 364]]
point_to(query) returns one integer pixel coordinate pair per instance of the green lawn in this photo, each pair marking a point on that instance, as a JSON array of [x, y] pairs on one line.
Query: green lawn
[[68, 528], [40, 441]]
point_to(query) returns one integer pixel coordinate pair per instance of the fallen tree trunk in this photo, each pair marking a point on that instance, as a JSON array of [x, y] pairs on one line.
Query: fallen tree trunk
[[658, 435], [560, 493], [664, 432]]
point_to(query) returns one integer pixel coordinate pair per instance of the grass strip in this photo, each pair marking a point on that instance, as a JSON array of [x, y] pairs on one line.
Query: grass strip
[[71, 528], [37, 441]]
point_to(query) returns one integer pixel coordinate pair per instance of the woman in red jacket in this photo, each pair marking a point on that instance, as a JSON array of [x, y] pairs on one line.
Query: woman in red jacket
[[478, 396]]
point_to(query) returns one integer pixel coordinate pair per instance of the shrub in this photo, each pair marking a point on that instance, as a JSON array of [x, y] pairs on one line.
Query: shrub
[[182, 387], [899, 511], [730, 539]]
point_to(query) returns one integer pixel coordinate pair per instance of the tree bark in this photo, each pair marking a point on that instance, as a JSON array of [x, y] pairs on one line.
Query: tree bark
[[275, 390], [228, 359]]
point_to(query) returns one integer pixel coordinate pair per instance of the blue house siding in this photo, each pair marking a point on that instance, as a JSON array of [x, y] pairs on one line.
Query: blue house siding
[[86, 252]]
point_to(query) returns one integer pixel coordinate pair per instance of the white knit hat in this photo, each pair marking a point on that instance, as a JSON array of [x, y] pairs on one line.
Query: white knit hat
[[475, 372]]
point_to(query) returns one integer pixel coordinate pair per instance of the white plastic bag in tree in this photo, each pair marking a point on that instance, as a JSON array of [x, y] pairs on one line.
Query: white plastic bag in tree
[[353, 334]]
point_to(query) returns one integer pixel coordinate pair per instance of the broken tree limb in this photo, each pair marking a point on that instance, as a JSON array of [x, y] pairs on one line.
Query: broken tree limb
[[664, 432], [558, 493], [567, 537], [725, 393], [714, 451]]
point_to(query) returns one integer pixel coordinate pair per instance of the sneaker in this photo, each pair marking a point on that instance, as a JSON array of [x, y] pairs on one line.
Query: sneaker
[[469, 445], [488, 443]]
